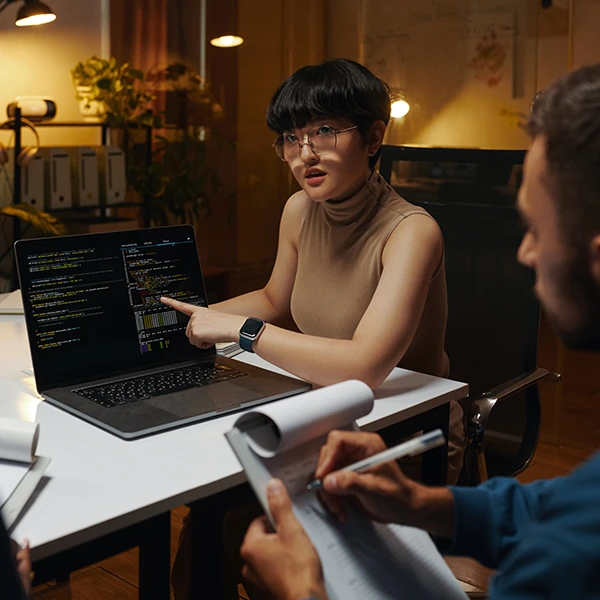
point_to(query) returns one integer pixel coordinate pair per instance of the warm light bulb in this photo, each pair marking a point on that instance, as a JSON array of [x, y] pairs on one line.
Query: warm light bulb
[[400, 109], [35, 20], [227, 41]]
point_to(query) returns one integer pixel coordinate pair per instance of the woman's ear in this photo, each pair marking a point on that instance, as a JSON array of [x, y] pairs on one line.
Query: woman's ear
[[376, 136]]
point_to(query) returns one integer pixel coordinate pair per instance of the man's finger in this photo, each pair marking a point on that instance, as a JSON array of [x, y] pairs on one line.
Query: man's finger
[[257, 529], [345, 483], [182, 307], [281, 506]]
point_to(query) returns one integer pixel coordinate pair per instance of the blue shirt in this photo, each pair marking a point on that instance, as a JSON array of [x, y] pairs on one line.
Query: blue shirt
[[543, 538]]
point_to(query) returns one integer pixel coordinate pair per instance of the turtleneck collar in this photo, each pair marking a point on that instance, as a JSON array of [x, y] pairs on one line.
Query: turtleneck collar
[[357, 208]]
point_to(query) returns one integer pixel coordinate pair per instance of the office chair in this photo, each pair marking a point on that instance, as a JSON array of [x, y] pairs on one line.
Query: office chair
[[493, 315]]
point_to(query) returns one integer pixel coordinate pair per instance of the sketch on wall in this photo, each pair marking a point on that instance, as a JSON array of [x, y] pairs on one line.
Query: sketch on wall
[[490, 42], [462, 65]]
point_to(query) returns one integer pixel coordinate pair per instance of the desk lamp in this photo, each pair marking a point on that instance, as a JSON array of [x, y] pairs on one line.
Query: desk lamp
[[33, 12]]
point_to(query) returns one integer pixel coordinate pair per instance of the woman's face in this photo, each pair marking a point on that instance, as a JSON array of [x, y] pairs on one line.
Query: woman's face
[[335, 175]]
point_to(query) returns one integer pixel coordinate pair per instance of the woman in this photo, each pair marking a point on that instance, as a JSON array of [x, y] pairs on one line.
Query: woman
[[360, 270]]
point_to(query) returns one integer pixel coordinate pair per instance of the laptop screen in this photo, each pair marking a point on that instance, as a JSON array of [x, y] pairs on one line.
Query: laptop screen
[[92, 302]]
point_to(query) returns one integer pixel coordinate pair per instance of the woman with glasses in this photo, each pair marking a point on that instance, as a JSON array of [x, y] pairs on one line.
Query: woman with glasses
[[358, 268]]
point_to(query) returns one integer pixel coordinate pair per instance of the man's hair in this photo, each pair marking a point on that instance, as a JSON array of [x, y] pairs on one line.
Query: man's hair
[[567, 115], [338, 88]]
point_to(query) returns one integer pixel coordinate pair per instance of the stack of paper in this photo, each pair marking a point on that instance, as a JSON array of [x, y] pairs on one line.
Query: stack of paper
[[20, 469]]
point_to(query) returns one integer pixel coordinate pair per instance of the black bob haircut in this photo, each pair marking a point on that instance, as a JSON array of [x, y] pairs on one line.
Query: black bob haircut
[[336, 88]]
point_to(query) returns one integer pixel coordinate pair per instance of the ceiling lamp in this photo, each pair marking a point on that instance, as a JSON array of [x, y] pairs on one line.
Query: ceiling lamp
[[227, 41], [33, 12]]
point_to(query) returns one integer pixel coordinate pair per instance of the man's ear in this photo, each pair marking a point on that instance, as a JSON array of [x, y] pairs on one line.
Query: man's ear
[[595, 257], [376, 136]]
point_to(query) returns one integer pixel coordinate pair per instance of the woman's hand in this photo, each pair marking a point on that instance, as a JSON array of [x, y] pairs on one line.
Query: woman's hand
[[284, 564], [207, 327]]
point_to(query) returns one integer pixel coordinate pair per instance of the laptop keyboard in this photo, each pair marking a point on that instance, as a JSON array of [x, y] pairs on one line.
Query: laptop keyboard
[[158, 384]]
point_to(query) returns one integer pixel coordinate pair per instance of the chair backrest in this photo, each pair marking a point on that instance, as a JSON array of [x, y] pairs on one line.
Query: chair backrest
[[493, 315]]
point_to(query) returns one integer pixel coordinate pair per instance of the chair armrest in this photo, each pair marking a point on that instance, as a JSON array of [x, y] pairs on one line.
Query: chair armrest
[[481, 407]]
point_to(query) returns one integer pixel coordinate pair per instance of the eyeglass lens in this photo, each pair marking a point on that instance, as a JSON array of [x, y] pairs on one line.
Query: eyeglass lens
[[321, 139]]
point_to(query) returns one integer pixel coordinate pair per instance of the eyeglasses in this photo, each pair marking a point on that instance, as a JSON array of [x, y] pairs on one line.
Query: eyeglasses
[[322, 139]]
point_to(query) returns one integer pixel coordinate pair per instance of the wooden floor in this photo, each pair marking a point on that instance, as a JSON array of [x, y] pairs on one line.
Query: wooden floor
[[117, 577]]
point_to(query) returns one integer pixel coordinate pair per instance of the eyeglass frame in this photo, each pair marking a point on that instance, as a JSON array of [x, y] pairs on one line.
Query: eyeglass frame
[[310, 143]]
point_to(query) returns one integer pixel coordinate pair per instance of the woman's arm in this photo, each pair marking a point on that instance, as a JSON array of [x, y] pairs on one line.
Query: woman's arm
[[387, 327], [272, 303], [383, 335]]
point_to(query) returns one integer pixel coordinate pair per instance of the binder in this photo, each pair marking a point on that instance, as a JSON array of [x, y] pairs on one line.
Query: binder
[[113, 184], [86, 178], [57, 178], [32, 181]]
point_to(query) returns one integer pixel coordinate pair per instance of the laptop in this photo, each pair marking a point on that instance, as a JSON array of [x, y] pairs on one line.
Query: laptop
[[104, 347]]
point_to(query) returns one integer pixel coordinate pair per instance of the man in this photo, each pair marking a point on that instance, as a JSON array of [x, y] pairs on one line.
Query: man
[[543, 538]]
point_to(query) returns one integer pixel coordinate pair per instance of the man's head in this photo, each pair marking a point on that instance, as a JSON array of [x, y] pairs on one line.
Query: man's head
[[560, 203]]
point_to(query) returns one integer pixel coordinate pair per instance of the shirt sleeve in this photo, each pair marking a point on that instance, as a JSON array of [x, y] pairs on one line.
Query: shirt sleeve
[[489, 519]]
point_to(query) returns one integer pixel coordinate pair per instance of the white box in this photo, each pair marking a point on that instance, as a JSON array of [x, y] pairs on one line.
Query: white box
[[58, 177], [86, 177], [32, 181], [113, 184]]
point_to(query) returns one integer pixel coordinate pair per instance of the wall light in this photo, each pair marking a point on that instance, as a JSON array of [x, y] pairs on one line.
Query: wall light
[[400, 108], [227, 41], [33, 12]]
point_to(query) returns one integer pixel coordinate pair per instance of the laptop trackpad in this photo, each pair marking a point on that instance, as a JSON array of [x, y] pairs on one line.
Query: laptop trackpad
[[201, 400]]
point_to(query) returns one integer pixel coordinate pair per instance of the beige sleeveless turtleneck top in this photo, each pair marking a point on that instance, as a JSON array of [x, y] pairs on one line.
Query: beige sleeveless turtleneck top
[[340, 248]]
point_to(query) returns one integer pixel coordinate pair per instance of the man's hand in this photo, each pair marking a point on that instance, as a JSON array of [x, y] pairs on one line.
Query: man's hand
[[207, 327], [23, 563], [384, 494], [283, 564]]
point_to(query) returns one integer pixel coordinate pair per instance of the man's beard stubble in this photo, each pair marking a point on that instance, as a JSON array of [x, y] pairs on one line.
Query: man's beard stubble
[[578, 290]]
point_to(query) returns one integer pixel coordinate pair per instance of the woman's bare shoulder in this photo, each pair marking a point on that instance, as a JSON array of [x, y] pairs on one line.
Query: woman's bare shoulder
[[295, 208]]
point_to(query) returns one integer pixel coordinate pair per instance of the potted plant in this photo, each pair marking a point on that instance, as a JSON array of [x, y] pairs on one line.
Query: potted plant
[[44, 224], [117, 93], [177, 185]]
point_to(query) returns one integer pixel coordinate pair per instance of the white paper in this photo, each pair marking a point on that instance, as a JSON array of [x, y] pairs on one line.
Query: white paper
[[12, 304], [11, 474], [277, 426], [18, 440], [361, 560]]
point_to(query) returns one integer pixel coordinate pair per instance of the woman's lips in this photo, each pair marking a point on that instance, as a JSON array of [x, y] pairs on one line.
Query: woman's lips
[[315, 179]]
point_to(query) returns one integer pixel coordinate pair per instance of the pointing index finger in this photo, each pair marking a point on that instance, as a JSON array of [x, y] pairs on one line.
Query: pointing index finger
[[182, 307]]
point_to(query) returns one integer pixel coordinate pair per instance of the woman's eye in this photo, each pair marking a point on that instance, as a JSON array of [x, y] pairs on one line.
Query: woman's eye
[[289, 138], [325, 130]]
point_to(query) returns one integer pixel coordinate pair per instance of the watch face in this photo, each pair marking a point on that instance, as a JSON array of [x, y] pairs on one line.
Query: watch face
[[252, 327]]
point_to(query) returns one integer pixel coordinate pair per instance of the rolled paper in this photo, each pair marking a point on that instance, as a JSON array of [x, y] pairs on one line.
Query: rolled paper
[[18, 440]]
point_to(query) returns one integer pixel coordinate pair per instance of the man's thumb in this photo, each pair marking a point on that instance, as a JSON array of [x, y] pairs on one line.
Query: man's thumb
[[280, 504]]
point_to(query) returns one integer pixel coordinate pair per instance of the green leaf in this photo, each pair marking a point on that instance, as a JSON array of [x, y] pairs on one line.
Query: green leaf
[[44, 223]]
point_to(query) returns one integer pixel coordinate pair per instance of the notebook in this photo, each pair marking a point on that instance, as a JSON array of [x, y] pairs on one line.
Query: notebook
[[362, 560], [105, 348]]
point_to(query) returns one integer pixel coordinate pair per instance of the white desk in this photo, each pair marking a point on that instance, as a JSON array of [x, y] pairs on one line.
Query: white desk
[[99, 484]]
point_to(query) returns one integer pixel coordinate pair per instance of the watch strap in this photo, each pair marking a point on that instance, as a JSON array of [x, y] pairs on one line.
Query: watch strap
[[246, 343]]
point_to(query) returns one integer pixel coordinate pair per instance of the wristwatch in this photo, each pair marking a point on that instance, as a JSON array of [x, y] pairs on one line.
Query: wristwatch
[[250, 332]]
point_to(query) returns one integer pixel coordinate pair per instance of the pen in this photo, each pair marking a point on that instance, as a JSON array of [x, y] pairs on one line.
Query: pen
[[412, 447]]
